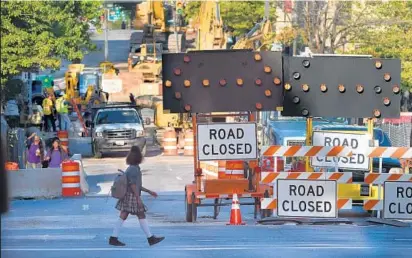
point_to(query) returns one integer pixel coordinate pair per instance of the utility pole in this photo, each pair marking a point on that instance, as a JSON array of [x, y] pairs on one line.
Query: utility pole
[[176, 35], [267, 9], [106, 41]]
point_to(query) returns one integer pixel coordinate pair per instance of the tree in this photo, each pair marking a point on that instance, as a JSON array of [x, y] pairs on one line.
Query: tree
[[390, 39], [38, 34]]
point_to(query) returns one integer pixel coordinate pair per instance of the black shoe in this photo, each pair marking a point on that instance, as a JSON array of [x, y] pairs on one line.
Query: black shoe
[[114, 241], [154, 240]]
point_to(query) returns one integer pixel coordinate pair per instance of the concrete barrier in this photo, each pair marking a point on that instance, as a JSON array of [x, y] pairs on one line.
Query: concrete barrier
[[81, 145], [41, 182], [35, 183]]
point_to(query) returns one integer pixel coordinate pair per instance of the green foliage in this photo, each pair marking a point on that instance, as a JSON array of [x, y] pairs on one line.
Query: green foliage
[[391, 37], [38, 34], [240, 15]]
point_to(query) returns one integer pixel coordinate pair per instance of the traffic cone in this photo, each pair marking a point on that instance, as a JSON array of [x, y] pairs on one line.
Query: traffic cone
[[235, 216]]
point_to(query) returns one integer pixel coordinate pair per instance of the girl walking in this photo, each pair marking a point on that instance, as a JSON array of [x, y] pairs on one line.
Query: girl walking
[[35, 152], [132, 203], [56, 155]]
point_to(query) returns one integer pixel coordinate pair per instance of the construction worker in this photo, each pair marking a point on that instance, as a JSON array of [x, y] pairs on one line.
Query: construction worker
[[48, 113], [62, 108]]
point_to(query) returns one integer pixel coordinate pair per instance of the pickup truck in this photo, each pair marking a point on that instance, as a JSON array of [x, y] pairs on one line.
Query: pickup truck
[[115, 128]]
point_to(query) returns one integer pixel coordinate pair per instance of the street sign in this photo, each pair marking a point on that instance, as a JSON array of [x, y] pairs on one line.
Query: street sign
[[358, 142], [397, 200], [112, 85], [341, 86], [226, 141], [307, 198], [222, 81]]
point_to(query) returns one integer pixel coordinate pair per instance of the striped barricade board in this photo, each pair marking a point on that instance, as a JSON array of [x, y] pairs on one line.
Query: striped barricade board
[[272, 203], [306, 151], [340, 177]]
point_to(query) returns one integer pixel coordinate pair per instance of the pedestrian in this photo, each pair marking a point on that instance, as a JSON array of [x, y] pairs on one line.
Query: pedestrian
[[62, 109], [56, 154], [48, 113], [132, 202], [35, 151]]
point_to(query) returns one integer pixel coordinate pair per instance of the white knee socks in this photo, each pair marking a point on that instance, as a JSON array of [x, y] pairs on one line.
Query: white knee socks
[[117, 227], [145, 227]]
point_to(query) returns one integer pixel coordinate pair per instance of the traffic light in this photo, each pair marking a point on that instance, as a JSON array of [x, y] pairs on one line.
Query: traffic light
[[179, 7]]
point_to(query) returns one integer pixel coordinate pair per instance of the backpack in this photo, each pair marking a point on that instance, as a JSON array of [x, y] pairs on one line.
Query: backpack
[[119, 187]]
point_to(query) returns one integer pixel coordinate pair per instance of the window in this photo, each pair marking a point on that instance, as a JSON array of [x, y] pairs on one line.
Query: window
[[117, 117]]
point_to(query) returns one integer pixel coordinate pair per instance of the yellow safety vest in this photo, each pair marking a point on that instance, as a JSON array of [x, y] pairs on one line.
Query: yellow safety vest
[[47, 106], [61, 106]]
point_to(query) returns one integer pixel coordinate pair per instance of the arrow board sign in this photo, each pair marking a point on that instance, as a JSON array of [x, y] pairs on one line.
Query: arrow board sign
[[397, 200], [226, 141], [358, 143]]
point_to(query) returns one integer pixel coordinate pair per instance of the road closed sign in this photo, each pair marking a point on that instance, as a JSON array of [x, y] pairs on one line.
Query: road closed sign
[[307, 198], [357, 142], [397, 200], [226, 141]]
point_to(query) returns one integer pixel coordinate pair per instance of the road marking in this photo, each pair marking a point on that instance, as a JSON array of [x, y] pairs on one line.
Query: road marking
[[404, 239], [179, 178], [50, 237], [203, 248]]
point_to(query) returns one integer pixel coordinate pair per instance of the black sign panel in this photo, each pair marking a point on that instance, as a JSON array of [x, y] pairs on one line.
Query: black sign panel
[[339, 86], [222, 81]]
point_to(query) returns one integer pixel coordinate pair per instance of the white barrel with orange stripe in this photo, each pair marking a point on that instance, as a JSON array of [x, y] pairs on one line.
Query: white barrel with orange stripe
[[221, 169], [71, 179], [188, 148], [235, 169]]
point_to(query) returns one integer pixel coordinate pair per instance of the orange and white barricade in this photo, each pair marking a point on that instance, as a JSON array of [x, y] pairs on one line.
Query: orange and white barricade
[[378, 178], [305, 151]]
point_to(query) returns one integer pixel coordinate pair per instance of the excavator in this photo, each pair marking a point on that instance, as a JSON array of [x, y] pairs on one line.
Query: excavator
[[260, 37], [157, 21], [83, 85], [148, 62]]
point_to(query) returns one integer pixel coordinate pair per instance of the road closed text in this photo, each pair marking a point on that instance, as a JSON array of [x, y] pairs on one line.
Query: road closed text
[[227, 141], [306, 206], [398, 200], [357, 142], [306, 198]]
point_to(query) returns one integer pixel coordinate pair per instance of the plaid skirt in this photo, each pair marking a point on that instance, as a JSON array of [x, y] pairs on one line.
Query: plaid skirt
[[129, 204]]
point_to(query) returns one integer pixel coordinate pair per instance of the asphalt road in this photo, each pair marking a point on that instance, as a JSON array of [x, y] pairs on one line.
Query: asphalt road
[[118, 45]]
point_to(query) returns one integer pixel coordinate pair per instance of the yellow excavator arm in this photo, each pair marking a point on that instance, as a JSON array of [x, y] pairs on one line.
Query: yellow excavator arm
[[262, 32], [210, 32]]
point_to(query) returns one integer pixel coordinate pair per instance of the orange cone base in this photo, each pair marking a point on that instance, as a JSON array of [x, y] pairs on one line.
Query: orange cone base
[[236, 218], [237, 224], [71, 192]]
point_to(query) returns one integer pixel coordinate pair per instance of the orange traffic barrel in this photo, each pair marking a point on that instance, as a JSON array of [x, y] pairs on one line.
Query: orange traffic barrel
[[71, 178], [188, 149], [10, 166], [169, 143], [64, 137], [234, 169], [222, 169]]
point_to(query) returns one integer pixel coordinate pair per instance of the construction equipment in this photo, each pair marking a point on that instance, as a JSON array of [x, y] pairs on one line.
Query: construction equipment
[[148, 62], [83, 85], [157, 21], [260, 37], [163, 120], [211, 34]]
